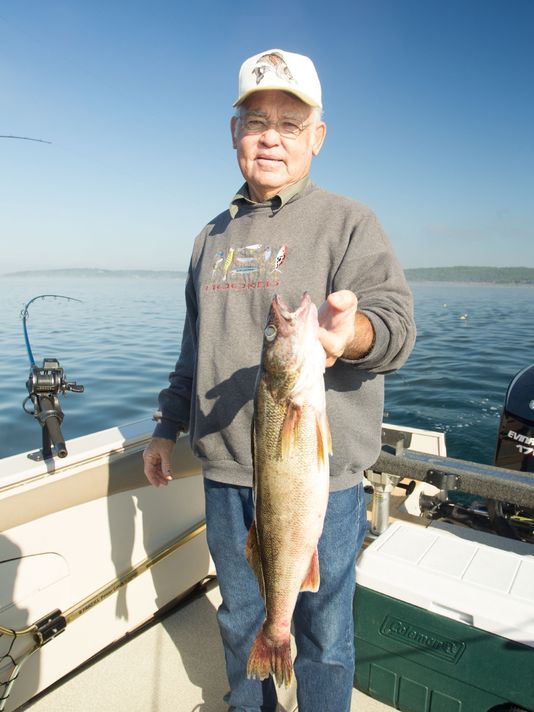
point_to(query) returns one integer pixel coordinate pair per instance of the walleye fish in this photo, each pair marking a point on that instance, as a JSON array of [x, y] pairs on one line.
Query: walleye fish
[[291, 442]]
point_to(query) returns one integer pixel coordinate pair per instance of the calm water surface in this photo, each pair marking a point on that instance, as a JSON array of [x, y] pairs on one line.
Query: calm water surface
[[472, 340], [122, 340]]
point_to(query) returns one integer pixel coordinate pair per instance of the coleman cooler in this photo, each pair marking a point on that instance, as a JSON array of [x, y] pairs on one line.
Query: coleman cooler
[[444, 620]]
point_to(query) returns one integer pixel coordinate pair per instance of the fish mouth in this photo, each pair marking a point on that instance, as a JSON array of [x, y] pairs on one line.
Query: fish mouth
[[289, 335], [281, 309]]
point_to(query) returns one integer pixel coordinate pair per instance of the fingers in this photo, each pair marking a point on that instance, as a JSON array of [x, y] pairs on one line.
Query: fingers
[[157, 460], [330, 358], [332, 345], [338, 305], [343, 301]]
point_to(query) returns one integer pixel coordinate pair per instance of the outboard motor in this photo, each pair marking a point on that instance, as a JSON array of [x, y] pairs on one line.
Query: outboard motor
[[514, 451], [515, 442]]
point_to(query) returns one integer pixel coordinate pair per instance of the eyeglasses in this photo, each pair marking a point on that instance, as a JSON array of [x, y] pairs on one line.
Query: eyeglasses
[[288, 128]]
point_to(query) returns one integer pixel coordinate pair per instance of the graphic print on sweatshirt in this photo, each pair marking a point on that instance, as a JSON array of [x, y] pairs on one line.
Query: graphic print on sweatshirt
[[251, 267]]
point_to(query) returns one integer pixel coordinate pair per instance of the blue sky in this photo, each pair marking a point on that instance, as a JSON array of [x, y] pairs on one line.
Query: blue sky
[[429, 107]]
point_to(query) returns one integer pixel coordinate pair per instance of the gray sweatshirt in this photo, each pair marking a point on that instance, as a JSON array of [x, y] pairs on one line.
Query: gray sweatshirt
[[312, 241]]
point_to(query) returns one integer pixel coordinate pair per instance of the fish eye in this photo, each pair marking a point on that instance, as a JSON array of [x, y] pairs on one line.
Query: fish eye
[[270, 332]]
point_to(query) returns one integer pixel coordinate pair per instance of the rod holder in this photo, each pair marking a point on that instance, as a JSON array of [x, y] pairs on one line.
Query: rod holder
[[383, 485]]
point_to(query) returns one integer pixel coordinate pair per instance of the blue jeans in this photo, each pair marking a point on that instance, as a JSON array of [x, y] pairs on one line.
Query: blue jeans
[[323, 621]]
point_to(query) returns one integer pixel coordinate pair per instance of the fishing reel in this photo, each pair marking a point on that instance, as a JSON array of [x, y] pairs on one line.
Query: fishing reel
[[487, 515], [50, 379], [44, 385]]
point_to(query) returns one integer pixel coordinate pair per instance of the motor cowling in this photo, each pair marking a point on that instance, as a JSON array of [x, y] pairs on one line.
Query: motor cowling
[[515, 442]]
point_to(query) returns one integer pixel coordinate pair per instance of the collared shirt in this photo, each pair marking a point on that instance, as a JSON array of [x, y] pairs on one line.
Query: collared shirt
[[277, 201]]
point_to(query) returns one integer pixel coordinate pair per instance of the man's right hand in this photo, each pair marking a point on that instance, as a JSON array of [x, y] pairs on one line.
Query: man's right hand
[[157, 458]]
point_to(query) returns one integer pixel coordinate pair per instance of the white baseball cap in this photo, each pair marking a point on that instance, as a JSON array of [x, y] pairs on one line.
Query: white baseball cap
[[278, 69]]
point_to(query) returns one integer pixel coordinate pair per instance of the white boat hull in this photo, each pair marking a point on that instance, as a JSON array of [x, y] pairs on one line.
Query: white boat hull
[[80, 525]]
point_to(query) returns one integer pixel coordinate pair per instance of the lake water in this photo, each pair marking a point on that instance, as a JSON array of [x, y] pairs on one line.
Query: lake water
[[122, 340]]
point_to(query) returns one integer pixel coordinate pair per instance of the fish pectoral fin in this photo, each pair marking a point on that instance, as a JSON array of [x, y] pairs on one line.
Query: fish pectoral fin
[[312, 580], [290, 427], [324, 439], [252, 553]]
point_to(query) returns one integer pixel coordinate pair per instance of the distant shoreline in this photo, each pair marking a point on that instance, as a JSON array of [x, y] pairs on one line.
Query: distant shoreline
[[517, 276], [483, 276], [465, 283], [84, 273]]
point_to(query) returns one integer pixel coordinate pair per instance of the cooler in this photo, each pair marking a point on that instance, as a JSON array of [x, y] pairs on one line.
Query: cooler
[[444, 620]]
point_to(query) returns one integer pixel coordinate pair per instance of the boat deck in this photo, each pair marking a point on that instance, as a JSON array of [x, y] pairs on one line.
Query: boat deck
[[173, 664]]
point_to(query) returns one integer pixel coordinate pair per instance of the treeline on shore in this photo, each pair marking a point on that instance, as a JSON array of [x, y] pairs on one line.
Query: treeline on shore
[[491, 275], [94, 272], [487, 275]]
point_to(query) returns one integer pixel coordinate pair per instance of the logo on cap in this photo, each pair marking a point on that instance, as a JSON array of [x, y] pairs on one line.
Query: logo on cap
[[272, 62]]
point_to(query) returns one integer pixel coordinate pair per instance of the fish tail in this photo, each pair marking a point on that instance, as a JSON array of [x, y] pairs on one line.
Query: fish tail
[[267, 659]]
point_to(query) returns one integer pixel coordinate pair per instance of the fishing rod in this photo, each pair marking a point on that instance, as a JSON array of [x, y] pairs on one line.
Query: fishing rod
[[25, 138], [34, 636], [45, 383]]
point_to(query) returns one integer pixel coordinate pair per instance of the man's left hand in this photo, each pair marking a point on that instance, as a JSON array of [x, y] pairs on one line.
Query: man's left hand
[[337, 323]]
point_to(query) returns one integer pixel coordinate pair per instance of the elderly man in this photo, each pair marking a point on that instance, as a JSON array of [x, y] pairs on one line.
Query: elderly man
[[284, 234]]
